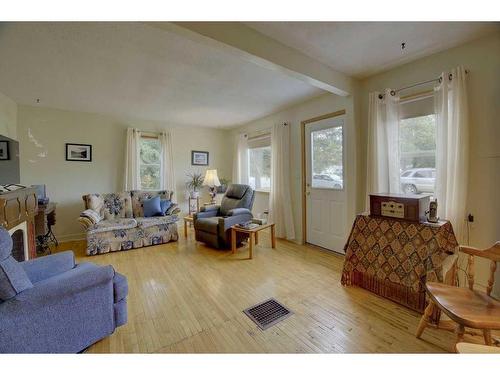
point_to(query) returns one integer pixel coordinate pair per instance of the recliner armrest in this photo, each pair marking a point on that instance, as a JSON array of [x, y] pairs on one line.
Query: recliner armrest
[[209, 208], [204, 214], [48, 266], [239, 211]]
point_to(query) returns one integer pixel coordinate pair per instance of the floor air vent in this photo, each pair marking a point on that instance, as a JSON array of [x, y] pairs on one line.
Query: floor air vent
[[267, 313]]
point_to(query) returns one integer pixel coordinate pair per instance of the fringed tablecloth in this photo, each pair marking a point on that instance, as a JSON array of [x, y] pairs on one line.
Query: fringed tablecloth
[[395, 258]]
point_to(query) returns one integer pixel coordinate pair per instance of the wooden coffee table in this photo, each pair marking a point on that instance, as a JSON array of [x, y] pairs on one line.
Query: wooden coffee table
[[253, 235]]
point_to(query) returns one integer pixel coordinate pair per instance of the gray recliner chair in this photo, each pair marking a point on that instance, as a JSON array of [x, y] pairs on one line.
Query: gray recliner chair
[[212, 224]]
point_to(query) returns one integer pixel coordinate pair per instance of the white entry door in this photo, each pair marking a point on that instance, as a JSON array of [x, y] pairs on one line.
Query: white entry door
[[325, 183]]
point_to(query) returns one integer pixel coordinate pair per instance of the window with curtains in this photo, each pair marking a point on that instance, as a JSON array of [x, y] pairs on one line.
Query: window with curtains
[[259, 162], [150, 161], [417, 145]]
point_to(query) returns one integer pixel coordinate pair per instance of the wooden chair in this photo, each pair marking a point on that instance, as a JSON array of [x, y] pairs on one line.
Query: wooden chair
[[466, 307]]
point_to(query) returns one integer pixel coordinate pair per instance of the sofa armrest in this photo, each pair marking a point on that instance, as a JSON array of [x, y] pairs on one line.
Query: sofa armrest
[[59, 289], [239, 211], [48, 266]]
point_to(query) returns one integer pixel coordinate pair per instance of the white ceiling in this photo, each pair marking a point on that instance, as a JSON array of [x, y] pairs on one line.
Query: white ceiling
[[361, 49], [134, 70], [137, 71]]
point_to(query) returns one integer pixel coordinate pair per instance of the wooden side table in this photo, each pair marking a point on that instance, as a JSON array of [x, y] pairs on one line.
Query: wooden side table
[[253, 235], [187, 219]]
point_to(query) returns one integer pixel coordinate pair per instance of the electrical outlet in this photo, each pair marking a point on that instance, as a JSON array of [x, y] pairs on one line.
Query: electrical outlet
[[470, 218]]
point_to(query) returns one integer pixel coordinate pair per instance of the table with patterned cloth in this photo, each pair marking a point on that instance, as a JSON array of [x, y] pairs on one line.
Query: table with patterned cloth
[[395, 258]]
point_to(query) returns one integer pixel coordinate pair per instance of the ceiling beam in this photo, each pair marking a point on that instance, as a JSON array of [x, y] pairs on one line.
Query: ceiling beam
[[253, 46]]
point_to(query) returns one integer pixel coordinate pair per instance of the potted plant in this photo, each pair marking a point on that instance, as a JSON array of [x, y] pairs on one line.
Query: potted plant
[[224, 183], [194, 184]]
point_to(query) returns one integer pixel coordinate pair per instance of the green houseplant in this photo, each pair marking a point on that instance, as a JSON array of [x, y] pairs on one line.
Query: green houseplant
[[194, 184]]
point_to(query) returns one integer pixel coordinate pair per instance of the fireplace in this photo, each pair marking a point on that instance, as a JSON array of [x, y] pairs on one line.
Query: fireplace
[[17, 214], [19, 235]]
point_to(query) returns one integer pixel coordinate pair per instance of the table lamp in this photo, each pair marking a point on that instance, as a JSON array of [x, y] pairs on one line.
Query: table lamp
[[212, 181]]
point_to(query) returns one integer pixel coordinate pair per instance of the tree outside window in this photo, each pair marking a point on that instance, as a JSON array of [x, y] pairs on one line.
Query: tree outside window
[[150, 164]]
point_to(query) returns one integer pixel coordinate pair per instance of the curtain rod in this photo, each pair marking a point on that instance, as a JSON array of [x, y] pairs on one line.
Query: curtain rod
[[439, 79]]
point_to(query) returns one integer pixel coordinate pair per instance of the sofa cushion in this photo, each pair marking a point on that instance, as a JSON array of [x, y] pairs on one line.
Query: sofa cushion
[[113, 224], [152, 207], [110, 206], [13, 279], [207, 224], [146, 222], [139, 196]]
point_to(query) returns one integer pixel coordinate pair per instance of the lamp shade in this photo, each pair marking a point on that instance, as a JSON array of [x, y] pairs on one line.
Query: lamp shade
[[211, 178]]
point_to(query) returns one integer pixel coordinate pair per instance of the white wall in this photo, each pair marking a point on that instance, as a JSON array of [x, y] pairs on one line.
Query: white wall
[[295, 115], [482, 59], [8, 117], [67, 181]]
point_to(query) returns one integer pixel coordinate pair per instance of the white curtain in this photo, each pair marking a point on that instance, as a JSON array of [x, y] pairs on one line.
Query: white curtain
[[383, 144], [240, 162], [452, 148], [280, 202], [168, 175], [132, 177]]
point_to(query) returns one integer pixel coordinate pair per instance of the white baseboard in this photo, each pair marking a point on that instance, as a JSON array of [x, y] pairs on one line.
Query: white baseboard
[[71, 237]]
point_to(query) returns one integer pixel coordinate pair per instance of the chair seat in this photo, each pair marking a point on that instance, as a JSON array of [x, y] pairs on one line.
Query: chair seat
[[208, 224], [470, 308]]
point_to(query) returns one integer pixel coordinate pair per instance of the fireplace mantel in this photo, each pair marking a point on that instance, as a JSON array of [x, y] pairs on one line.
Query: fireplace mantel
[[17, 207]]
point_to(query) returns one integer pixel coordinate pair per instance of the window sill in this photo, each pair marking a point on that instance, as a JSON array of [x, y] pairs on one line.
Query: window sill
[[262, 191]]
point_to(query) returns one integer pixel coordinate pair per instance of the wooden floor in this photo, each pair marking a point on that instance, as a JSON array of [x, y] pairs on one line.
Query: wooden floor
[[185, 297]]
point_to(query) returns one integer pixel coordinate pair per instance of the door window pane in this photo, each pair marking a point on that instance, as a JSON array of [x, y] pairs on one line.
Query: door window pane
[[327, 158], [259, 171], [417, 142], [150, 164]]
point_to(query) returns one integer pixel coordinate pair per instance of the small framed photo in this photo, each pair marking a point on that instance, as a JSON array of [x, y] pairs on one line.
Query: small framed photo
[[78, 152], [199, 157], [4, 150]]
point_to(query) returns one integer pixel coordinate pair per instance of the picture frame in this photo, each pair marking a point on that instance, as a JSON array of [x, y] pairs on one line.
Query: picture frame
[[78, 152], [4, 150], [199, 157]]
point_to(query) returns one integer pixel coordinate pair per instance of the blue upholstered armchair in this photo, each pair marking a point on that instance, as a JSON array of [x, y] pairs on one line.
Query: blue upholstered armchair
[[51, 305], [213, 223]]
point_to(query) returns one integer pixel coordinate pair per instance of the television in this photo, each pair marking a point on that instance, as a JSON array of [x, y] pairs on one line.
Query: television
[[9, 161]]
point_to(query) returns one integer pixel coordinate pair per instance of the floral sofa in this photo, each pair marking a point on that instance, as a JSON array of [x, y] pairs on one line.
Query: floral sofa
[[115, 221]]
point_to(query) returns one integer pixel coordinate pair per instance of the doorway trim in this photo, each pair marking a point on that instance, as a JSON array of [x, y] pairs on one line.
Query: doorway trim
[[303, 125]]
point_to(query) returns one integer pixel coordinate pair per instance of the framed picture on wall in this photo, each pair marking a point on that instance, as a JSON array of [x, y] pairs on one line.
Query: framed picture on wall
[[199, 157], [4, 150], [78, 152]]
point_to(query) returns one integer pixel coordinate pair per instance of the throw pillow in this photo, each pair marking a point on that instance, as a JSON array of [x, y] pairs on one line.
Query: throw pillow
[[165, 205], [13, 279], [152, 207], [173, 209]]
